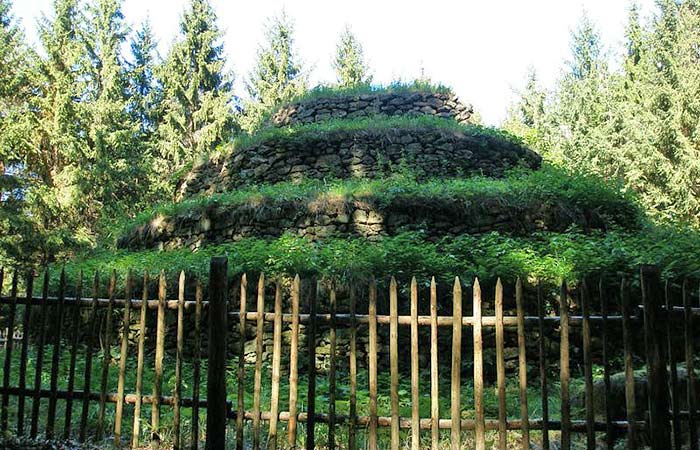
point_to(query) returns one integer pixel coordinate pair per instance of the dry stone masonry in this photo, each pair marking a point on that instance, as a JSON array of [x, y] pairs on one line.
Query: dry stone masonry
[[371, 153], [355, 216], [367, 105]]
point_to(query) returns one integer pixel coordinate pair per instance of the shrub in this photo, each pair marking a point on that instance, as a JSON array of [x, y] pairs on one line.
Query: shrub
[[396, 87], [545, 257]]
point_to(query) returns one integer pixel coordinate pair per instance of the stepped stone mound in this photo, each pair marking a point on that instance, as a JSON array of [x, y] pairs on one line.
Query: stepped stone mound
[[367, 105], [368, 149], [369, 153]]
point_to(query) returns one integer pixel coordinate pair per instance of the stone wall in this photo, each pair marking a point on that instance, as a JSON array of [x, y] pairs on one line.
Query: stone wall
[[367, 105], [369, 153], [362, 217]]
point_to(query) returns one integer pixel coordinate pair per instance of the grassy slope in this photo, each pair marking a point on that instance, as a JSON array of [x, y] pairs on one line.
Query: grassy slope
[[547, 185]]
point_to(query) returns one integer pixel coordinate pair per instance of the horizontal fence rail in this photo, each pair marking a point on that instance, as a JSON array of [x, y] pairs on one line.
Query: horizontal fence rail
[[119, 360]]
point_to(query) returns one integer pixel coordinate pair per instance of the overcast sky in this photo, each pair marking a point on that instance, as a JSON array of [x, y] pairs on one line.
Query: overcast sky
[[482, 49]]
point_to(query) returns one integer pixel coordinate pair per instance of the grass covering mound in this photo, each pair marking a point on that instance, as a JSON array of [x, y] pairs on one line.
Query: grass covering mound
[[518, 191], [396, 87]]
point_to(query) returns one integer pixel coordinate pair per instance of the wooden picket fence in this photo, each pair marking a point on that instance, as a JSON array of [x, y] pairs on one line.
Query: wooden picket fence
[[652, 321]]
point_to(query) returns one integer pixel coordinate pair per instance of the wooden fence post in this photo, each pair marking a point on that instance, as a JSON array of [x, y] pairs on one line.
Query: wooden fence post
[[657, 377], [627, 343], [564, 374], [216, 376], [158, 363], [479, 426], [311, 348]]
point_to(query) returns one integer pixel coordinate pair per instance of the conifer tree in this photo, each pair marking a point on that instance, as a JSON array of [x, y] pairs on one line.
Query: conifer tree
[[61, 122], [145, 107], [633, 38], [640, 125], [581, 105], [527, 117], [674, 90], [277, 76], [59, 157], [349, 63], [586, 50], [145, 92], [16, 126], [198, 113], [116, 180], [14, 83]]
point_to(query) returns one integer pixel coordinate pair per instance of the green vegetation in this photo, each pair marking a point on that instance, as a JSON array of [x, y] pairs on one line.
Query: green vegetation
[[637, 123], [91, 138], [349, 63], [519, 188], [87, 136], [91, 135], [396, 87], [548, 257], [347, 90], [197, 113], [277, 76]]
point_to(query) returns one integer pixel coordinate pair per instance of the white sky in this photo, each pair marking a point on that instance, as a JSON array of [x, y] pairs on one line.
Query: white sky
[[480, 48]]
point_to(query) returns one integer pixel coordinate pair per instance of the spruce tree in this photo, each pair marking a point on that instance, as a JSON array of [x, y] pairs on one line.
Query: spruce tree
[[59, 158], [527, 116], [116, 181], [349, 63], [16, 126], [277, 76], [586, 49], [61, 72], [633, 41], [15, 59], [145, 92], [640, 125], [198, 112], [145, 107], [677, 105], [581, 107]]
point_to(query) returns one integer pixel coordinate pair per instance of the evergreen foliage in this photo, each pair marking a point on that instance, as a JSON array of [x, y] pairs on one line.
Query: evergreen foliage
[[144, 90], [349, 63], [639, 124], [86, 137], [57, 154], [198, 113], [16, 125], [277, 76], [117, 176]]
